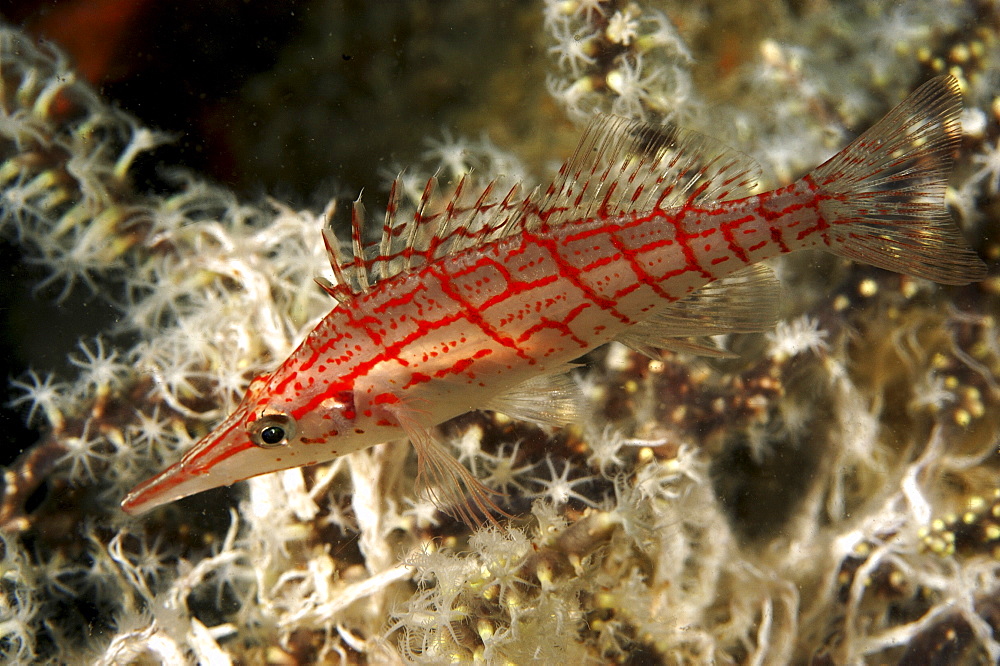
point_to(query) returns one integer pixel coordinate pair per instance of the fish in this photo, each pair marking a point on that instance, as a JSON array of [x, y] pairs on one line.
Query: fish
[[651, 235]]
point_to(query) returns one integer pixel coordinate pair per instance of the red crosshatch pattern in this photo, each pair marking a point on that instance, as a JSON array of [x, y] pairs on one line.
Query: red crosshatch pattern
[[649, 235]]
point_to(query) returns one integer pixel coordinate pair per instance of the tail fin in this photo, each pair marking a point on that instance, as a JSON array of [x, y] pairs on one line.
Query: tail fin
[[885, 191]]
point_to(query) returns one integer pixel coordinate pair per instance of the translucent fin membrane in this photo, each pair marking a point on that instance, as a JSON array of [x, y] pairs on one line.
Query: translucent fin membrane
[[622, 166], [884, 194], [745, 301]]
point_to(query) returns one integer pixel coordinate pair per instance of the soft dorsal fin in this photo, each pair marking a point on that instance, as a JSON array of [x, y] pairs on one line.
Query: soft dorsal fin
[[622, 166], [743, 302]]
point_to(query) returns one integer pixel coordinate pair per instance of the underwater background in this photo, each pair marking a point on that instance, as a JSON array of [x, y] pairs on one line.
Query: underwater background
[[829, 495]]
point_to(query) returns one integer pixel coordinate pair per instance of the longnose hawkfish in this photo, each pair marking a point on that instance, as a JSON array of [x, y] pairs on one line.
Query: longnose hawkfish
[[649, 235]]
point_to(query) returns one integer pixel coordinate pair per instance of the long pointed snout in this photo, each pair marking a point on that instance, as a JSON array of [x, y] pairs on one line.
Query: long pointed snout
[[171, 484], [212, 462]]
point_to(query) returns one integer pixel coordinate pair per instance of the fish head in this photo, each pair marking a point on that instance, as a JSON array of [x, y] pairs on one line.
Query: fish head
[[269, 431]]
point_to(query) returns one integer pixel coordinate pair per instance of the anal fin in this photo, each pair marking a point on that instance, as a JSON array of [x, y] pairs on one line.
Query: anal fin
[[743, 302]]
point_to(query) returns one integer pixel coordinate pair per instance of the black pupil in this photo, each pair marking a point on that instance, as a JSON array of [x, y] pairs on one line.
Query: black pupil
[[272, 434]]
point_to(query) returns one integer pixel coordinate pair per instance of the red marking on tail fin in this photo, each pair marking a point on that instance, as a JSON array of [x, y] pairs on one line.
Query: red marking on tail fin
[[883, 195]]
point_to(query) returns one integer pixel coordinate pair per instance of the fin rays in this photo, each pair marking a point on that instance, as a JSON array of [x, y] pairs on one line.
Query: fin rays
[[620, 166]]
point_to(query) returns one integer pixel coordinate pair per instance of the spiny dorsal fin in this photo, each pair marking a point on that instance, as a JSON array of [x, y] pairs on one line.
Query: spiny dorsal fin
[[433, 231], [622, 166]]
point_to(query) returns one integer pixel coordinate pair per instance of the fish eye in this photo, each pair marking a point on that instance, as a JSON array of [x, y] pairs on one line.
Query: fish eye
[[272, 430]]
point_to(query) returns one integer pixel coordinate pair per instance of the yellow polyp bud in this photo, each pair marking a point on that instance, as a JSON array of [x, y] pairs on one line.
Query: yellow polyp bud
[[44, 101], [485, 629], [580, 87], [963, 418], [951, 382], [615, 81], [868, 288], [841, 303], [897, 579], [567, 7], [604, 600], [646, 455], [512, 599], [275, 656], [9, 170], [491, 593], [54, 198], [119, 245], [969, 517], [544, 574], [631, 386], [74, 217], [976, 503], [992, 532], [771, 53]]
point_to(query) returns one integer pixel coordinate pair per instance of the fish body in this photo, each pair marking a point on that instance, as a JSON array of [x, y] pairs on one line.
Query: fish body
[[650, 235]]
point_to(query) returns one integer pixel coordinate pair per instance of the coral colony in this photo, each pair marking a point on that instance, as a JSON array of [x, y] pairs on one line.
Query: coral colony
[[825, 489]]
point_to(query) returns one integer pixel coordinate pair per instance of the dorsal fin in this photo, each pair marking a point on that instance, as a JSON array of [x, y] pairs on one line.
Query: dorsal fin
[[434, 230], [622, 166]]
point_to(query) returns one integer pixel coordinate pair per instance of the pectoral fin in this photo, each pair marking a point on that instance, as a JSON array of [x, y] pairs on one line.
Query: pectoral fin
[[551, 399]]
